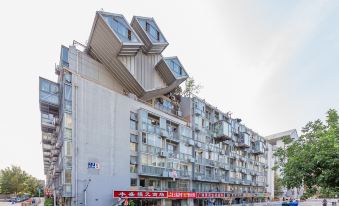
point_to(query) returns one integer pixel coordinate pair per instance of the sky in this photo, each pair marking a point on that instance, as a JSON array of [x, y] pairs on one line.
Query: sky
[[274, 64]]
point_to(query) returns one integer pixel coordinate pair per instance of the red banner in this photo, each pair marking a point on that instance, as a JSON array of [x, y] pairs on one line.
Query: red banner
[[210, 195], [168, 194], [140, 194], [181, 195]]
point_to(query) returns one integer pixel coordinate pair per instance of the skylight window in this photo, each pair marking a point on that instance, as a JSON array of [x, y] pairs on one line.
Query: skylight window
[[121, 28]]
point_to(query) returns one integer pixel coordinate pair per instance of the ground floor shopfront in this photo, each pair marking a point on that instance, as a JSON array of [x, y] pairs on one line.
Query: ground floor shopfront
[[169, 198]]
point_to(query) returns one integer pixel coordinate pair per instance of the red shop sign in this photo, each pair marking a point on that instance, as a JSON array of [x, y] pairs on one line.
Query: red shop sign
[[210, 195], [181, 195], [139, 194]]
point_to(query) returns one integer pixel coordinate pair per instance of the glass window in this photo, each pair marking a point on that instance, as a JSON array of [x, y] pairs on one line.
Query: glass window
[[121, 28], [133, 168], [68, 176], [175, 67], [133, 182], [68, 148], [133, 146], [68, 162], [134, 138], [133, 159], [68, 120], [67, 77], [68, 92], [133, 121], [64, 56], [133, 125], [67, 134]]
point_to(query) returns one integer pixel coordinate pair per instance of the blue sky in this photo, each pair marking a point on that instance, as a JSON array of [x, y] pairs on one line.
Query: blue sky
[[274, 64]]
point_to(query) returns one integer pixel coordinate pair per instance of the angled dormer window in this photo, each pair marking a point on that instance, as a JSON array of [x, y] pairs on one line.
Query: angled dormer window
[[175, 66], [119, 25], [152, 30]]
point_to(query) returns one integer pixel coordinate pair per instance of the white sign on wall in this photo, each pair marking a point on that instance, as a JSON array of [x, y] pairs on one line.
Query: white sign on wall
[[93, 165]]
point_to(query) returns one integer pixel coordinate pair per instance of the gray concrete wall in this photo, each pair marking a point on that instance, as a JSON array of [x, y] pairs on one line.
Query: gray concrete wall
[[102, 131], [88, 68]]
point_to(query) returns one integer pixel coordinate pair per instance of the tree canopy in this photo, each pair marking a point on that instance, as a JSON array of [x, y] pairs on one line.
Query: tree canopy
[[13, 180], [313, 160]]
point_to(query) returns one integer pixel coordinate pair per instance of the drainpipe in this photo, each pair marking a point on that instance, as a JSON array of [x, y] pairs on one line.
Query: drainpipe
[[85, 192]]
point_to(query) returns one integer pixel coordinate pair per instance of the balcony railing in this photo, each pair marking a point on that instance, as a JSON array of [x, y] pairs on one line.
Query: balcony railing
[[153, 171]]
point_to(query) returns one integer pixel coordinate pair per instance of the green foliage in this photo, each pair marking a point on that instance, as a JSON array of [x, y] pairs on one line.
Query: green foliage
[[13, 180], [278, 186], [48, 202], [313, 160], [191, 87]]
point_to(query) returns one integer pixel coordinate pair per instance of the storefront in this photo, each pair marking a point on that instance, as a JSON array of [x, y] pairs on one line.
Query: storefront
[[169, 198]]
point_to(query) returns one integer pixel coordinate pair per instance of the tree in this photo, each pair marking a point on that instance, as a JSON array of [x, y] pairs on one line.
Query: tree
[[313, 160], [278, 186], [191, 87], [13, 180]]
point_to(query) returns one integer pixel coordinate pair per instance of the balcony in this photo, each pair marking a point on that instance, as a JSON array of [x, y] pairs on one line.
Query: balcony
[[171, 70], [244, 140], [258, 147], [222, 131], [153, 171], [48, 96], [149, 32], [167, 107]]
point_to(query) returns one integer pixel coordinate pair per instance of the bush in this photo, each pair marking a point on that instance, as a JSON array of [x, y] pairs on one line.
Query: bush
[[48, 202]]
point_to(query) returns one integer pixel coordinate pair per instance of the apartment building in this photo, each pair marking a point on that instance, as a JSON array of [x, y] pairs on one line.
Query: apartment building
[[276, 141], [113, 131]]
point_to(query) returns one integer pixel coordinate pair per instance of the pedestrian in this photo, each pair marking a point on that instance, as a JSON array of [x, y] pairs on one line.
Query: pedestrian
[[324, 202]]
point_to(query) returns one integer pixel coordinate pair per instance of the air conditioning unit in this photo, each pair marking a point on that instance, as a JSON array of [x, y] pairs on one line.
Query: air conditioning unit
[[222, 152], [163, 153], [198, 177], [198, 144], [179, 113], [192, 159]]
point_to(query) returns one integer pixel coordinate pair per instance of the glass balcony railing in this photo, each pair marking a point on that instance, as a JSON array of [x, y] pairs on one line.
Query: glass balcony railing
[[222, 131], [151, 170], [49, 92]]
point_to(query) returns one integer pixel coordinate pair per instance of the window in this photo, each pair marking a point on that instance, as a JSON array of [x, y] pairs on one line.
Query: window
[[67, 134], [68, 148], [144, 138], [68, 120], [68, 97], [152, 31], [134, 138], [133, 168], [64, 56], [121, 28], [133, 121], [67, 77], [175, 67], [133, 160], [133, 182], [133, 146], [68, 176]]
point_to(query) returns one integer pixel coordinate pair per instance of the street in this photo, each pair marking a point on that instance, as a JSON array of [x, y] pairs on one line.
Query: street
[[19, 204]]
